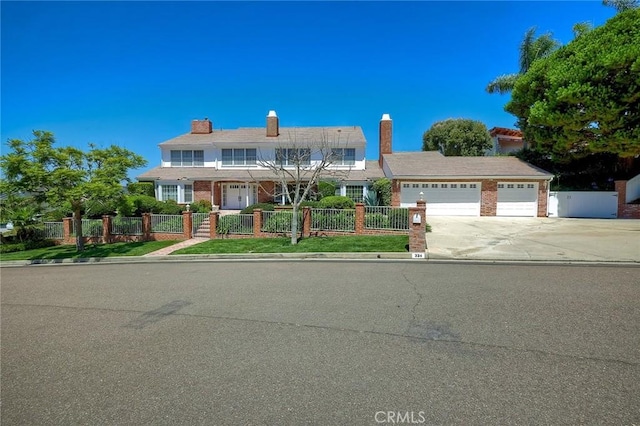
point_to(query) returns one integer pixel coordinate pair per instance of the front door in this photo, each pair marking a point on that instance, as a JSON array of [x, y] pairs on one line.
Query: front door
[[237, 196]]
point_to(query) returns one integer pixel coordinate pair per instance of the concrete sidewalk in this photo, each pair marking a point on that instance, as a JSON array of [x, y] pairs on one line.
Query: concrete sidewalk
[[175, 247], [534, 239]]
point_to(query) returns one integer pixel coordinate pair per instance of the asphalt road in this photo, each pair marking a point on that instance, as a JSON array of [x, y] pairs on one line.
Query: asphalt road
[[329, 343]]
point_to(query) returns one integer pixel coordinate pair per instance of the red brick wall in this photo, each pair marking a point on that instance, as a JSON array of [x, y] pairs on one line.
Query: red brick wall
[[202, 190], [272, 126], [543, 198], [217, 194], [265, 192], [384, 135], [488, 198], [395, 193], [201, 126], [625, 211]]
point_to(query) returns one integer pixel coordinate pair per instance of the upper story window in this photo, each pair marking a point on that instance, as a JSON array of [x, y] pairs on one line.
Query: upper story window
[[187, 158], [345, 156], [239, 157], [293, 156]]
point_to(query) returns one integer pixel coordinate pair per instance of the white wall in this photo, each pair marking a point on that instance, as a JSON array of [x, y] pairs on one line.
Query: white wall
[[593, 204], [633, 189]]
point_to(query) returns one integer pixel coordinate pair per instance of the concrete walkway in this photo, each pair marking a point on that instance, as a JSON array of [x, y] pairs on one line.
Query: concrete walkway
[[170, 249]]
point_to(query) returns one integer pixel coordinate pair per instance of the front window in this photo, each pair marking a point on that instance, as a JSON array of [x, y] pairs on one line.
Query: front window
[[355, 192], [344, 156], [188, 193], [239, 157], [176, 192], [169, 192], [293, 156], [187, 158]]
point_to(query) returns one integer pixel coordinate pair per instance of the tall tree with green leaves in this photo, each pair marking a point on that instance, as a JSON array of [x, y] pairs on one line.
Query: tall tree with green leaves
[[457, 137], [57, 175], [532, 48], [585, 98], [622, 5]]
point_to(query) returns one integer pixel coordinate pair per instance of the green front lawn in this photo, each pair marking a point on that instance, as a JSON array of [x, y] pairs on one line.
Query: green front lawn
[[384, 243], [100, 250]]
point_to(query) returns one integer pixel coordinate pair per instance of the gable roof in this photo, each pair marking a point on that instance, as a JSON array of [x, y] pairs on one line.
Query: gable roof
[[432, 164], [341, 135]]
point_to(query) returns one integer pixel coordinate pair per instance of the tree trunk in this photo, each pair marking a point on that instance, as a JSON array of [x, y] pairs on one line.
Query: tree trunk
[[294, 225], [77, 219]]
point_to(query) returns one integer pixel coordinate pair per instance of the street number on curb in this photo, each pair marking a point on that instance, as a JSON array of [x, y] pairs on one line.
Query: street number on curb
[[417, 255]]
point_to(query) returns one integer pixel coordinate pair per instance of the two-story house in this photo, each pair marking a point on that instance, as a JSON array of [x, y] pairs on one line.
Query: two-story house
[[230, 168], [234, 168]]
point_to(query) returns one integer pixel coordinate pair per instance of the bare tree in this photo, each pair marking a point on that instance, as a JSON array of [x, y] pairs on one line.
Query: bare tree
[[299, 163]]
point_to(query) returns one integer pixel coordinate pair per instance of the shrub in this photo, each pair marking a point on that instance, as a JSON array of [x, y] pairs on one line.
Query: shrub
[[201, 206], [264, 206], [170, 207], [141, 188], [383, 189], [337, 202], [144, 204], [399, 219], [326, 189], [28, 245]]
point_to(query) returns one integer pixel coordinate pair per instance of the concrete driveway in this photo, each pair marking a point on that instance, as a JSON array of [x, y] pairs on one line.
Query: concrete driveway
[[555, 239]]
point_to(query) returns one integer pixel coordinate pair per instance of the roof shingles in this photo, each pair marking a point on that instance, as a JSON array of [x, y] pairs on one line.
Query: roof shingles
[[430, 164]]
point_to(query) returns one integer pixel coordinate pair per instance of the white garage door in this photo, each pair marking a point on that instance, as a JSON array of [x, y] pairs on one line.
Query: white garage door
[[443, 198], [517, 199]]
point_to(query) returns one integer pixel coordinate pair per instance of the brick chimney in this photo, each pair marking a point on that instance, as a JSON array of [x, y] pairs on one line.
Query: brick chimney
[[201, 126], [273, 126], [385, 137]]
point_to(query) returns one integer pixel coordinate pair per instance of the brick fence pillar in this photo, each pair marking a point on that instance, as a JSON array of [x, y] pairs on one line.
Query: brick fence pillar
[[306, 221], [417, 227], [187, 223], [213, 224], [106, 229], [359, 224], [621, 189], [257, 222], [67, 230], [146, 226]]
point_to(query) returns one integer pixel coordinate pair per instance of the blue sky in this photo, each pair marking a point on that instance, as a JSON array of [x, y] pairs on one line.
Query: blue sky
[[136, 73]]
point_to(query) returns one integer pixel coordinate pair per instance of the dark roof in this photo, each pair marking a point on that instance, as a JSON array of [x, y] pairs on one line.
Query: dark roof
[[432, 164], [372, 172], [351, 135]]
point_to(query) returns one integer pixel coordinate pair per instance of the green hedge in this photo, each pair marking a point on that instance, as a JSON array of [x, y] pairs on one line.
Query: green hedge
[[263, 206], [337, 202]]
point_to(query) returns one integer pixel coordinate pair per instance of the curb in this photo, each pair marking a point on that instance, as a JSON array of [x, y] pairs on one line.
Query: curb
[[330, 256]]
